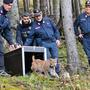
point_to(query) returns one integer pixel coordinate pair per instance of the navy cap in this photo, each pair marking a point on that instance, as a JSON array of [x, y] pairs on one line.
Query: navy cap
[[8, 1], [87, 3], [37, 12]]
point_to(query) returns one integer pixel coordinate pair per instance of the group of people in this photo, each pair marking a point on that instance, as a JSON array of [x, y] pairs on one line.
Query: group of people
[[38, 32]]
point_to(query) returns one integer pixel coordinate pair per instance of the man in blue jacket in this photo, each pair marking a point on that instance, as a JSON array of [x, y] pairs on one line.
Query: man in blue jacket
[[46, 35], [23, 28], [83, 21], [5, 31]]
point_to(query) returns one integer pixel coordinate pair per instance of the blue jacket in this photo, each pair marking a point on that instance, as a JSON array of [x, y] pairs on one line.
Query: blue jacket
[[5, 26], [43, 31], [22, 32], [82, 21]]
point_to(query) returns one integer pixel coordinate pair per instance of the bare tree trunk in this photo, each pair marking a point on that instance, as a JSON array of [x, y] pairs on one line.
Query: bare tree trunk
[[81, 5], [48, 7], [56, 10], [14, 14], [1, 2], [26, 5], [77, 7], [36, 4], [43, 6], [73, 8], [72, 53], [51, 7]]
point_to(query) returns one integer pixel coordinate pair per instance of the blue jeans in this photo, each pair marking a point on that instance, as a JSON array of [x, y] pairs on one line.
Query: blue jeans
[[86, 46], [52, 51]]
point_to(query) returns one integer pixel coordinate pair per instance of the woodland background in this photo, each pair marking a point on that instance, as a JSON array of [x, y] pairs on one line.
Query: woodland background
[[63, 13]]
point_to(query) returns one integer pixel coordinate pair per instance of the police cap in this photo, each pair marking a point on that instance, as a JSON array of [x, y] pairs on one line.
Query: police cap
[[37, 12], [87, 3], [7, 1]]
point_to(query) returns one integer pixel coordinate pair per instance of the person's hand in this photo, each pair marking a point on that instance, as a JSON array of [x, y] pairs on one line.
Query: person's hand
[[14, 46], [80, 36], [11, 47], [58, 43], [17, 46]]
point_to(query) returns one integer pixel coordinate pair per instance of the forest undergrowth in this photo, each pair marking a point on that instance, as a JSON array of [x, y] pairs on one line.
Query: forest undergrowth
[[34, 81]]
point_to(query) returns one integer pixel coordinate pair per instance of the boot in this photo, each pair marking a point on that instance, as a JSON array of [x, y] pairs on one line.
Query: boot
[[57, 69]]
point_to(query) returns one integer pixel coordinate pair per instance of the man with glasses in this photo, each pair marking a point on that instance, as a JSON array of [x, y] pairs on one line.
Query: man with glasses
[[83, 21]]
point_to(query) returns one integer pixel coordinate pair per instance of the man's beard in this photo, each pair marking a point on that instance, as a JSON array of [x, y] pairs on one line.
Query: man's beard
[[25, 24]]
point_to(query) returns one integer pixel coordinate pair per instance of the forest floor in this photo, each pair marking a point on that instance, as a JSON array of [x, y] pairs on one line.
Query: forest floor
[[34, 81]]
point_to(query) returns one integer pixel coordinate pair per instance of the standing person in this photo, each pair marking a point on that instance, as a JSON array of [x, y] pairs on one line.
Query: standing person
[[5, 32], [23, 28], [46, 35], [83, 21]]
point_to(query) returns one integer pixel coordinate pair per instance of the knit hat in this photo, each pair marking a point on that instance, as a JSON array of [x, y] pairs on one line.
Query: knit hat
[[7, 1]]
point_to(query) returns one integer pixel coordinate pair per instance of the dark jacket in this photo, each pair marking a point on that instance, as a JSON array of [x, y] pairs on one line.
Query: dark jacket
[[43, 31], [5, 26], [22, 32], [82, 21]]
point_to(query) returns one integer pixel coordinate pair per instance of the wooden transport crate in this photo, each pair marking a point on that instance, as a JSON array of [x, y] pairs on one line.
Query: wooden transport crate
[[18, 62]]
